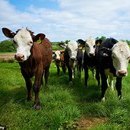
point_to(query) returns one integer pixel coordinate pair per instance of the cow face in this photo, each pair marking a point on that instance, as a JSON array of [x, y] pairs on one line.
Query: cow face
[[57, 55], [72, 50], [90, 47], [24, 42], [23, 39], [120, 57]]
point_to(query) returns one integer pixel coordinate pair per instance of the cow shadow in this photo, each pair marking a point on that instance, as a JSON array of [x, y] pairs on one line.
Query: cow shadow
[[88, 94], [16, 96], [91, 93]]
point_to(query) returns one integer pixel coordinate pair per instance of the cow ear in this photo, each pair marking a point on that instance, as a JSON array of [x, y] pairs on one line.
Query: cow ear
[[62, 45], [8, 33], [39, 36], [81, 42], [98, 42]]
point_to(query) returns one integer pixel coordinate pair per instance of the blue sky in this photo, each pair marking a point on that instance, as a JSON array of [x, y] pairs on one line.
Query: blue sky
[[62, 20]]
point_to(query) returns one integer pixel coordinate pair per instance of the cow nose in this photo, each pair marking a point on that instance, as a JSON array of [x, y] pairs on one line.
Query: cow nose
[[19, 57], [72, 59], [122, 72], [91, 54]]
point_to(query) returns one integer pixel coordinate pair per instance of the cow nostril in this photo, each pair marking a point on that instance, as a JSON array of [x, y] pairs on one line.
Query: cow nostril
[[22, 56]]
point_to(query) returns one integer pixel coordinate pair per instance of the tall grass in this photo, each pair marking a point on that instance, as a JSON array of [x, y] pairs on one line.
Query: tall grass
[[62, 104]]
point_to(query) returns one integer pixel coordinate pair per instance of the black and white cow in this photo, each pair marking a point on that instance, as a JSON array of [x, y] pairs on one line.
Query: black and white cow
[[113, 57], [80, 56], [70, 56], [89, 59]]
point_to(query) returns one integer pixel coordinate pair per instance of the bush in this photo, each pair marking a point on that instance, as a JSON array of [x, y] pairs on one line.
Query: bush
[[7, 46]]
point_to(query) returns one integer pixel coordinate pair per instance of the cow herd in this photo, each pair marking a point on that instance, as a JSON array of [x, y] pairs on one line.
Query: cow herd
[[107, 59]]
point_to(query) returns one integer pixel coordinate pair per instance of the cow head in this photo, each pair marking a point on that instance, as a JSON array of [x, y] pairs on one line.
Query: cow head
[[120, 57], [56, 55], [90, 47], [72, 49], [23, 39]]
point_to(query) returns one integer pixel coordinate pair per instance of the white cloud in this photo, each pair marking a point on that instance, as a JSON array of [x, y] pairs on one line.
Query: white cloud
[[72, 20]]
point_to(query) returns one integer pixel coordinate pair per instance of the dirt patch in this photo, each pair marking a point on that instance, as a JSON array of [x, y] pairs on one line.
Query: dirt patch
[[89, 122]]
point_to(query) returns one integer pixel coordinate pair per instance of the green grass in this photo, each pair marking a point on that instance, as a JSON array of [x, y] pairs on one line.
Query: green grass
[[62, 104]]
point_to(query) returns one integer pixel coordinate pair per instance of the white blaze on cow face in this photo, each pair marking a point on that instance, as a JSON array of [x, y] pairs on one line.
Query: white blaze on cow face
[[120, 57], [90, 46], [72, 49], [24, 43]]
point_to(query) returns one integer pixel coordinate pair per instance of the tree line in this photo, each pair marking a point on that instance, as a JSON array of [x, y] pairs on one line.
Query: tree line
[[8, 45]]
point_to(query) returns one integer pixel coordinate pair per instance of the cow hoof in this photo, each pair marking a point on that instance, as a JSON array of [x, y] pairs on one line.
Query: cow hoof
[[37, 107], [103, 99], [120, 97]]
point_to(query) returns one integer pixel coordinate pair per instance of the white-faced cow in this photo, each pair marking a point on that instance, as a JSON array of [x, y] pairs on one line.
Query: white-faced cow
[[113, 57], [58, 57], [34, 58], [70, 56], [89, 61]]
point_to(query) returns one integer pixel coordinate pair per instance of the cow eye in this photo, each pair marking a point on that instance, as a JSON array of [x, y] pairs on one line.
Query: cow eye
[[113, 57], [30, 43], [94, 46]]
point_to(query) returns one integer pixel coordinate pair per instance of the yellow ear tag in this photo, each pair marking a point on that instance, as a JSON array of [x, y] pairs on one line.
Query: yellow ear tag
[[39, 41]]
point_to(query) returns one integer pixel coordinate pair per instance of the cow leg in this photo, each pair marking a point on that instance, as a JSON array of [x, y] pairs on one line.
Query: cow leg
[[29, 89], [98, 77], [58, 69], [86, 76], [36, 89], [111, 84], [46, 75], [73, 73], [119, 86], [79, 70], [28, 86], [64, 68], [103, 86]]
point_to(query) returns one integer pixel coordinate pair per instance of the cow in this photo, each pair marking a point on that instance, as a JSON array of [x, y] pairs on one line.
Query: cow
[[33, 57], [113, 57], [58, 57], [89, 60], [80, 56], [70, 55]]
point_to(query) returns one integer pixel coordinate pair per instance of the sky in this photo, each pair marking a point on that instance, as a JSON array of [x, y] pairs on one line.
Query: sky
[[62, 20]]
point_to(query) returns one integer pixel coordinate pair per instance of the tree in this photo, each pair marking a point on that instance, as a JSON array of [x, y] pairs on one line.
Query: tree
[[7, 46]]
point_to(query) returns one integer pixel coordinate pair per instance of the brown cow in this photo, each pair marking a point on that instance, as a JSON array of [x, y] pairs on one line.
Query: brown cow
[[34, 59], [58, 57]]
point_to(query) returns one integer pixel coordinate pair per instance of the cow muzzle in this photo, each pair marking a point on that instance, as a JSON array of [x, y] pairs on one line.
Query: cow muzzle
[[19, 57], [91, 54], [121, 73]]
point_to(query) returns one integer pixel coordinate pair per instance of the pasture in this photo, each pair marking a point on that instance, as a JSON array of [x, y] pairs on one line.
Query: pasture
[[64, 106]]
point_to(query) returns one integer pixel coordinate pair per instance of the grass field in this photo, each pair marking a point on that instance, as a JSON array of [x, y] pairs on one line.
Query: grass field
[[64, 107]]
